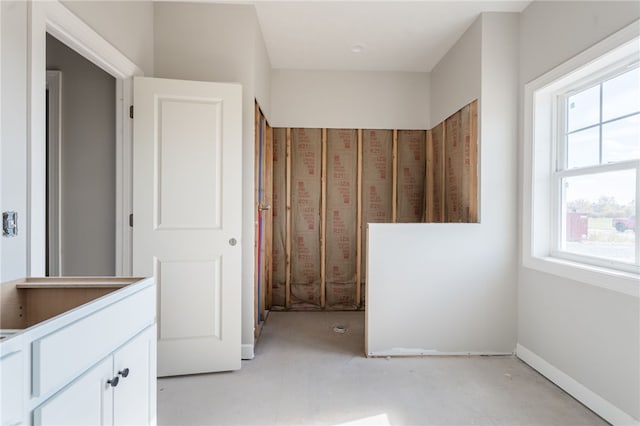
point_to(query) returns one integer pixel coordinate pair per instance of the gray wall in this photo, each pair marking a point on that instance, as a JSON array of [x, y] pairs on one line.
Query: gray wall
[[589, 333], [350, 99], [477, 302], [88, 163], [220, 42]]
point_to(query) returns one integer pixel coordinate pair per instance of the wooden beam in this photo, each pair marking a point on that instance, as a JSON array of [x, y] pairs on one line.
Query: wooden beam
[[394, 173], [428, 178], [256, 248], [287, 296], [323, 222], [268, 239], [359, 222], [443, 173], [473, 173]]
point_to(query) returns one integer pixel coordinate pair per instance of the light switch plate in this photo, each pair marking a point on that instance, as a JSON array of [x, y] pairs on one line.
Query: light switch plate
[[9, 224]]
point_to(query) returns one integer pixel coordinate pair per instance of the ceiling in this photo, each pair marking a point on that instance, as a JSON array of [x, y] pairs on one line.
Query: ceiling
[[391, 35]]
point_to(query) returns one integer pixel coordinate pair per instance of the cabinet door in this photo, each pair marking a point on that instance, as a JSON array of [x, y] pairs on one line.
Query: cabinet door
[[85, 402], [11, 388], [135, 365]]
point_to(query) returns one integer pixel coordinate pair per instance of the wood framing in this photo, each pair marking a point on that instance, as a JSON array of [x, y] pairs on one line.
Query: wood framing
[[323, 222], [288, 223], [359, 224], [473, 184], [394, 175], [269, 217], [428, 178], [256, 220]]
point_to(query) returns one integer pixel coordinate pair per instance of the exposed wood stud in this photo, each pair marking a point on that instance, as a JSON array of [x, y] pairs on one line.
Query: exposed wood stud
[[269, 222], [428, 178], [256, 248], [473, 160], [359, 223], [394, 173], [323, 222], [288, 223]]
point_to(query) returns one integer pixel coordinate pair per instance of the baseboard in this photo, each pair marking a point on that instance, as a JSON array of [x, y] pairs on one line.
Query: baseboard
[[246, 351], [595, 402]]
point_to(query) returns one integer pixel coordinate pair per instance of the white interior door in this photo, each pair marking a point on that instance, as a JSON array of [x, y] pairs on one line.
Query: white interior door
[[187, 174]]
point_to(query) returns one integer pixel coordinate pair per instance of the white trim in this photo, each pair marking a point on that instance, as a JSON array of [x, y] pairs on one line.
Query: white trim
[[417, 352], [54, 160], [52, 17], [1, 203], [592, 400], [246, 351], [537, 188]]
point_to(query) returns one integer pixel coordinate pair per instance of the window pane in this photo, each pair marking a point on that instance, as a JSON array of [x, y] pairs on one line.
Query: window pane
[[583, 109], [621, 140], [600, 215], [621, 95], [583, 148]]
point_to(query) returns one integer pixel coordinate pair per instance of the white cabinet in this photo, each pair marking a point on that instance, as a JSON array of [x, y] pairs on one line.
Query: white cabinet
[[117, 391], [82, 351], [12, 377]]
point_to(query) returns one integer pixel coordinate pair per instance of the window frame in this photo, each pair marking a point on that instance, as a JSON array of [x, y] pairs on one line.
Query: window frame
[[541, 181]]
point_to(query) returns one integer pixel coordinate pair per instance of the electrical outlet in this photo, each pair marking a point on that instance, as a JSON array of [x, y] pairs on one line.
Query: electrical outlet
[[9, 224]]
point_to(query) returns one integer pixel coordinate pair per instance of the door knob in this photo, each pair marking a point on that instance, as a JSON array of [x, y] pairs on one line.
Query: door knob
[[233, 242]]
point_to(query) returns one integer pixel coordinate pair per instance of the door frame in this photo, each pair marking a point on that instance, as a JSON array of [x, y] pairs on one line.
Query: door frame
[[54, 158], [54, 18]]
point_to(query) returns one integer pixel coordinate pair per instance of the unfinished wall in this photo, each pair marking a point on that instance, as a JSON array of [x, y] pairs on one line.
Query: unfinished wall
[[341, 217], [332, 183], [457, 281], [589, 334]]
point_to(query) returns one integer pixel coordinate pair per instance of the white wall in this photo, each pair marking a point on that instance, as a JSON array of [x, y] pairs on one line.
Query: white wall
[[350, 99], [218, 42], [13, 134], [451, 288], [88, 151], [588, 333], [127, 25], [455, 80]]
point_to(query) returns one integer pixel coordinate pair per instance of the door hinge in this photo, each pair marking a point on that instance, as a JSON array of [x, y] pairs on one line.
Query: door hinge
[[131, 220], [131, 111]]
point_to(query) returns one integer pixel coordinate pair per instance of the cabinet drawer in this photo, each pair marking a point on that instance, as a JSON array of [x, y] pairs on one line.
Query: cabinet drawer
[[64, 354]]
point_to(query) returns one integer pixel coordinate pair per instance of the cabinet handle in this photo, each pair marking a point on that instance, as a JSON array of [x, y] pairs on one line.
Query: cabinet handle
[[124, 373], [114, 382]]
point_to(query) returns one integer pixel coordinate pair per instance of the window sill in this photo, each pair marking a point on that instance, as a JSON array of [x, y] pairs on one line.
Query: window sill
[[622, 282]]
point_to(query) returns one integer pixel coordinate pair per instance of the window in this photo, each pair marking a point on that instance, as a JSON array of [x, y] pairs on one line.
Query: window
[[581, 177], [597, 167]]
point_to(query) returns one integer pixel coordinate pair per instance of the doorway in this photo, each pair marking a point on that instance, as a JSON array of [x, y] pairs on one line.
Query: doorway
[[81, 158]]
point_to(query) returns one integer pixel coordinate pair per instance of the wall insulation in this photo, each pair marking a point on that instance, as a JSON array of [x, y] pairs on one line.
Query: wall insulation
[[411, 176], [279, 209], [306, 145], [342, 164], [328, 184]]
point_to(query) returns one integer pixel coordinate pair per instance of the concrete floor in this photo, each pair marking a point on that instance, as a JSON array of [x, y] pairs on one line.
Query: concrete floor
[[306, 373]]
